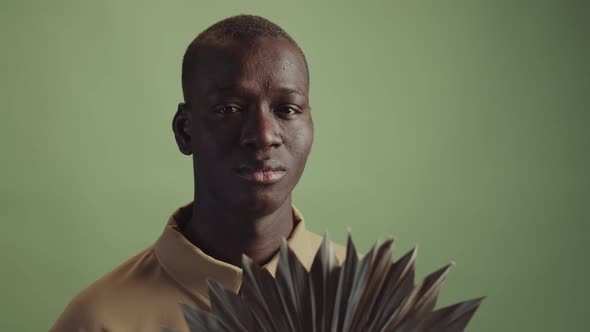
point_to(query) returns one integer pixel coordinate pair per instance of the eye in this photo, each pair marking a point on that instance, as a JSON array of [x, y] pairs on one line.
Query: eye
[[227, 109], [288, 110]]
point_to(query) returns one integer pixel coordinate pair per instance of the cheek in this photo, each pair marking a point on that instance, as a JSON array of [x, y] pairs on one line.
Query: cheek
[[302, 141], [214, 139]]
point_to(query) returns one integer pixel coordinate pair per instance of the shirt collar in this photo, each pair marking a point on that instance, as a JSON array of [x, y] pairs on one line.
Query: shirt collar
[[191, 267]]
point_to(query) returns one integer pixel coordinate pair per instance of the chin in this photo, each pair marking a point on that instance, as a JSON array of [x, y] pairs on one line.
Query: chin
[[262, 203]]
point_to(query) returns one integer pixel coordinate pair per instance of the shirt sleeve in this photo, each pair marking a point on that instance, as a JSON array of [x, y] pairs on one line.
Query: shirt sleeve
[[80, 316]]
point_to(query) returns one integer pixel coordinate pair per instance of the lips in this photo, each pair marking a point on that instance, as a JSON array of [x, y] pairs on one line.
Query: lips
[[263, 172]]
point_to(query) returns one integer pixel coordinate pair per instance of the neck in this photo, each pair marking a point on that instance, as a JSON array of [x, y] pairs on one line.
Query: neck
[[225, 234]]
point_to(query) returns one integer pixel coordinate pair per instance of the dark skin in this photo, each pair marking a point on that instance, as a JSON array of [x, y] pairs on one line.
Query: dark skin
[[247, 104]]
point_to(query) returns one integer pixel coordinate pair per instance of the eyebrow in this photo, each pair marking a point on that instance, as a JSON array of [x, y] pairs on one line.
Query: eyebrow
[[236, 88], [289, 91]]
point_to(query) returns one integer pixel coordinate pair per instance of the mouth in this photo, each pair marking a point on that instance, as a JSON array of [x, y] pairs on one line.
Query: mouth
[[263, 173]]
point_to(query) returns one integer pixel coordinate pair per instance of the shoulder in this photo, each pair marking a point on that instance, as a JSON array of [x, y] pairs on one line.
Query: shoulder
[[119, 297]]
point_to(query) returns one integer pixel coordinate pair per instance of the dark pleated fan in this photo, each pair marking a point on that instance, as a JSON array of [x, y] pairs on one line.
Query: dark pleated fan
[[374, 293]]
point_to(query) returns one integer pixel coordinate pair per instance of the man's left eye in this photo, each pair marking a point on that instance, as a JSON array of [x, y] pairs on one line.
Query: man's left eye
[[287, 110]]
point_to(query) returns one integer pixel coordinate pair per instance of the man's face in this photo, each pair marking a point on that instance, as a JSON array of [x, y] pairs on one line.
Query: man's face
[[252, 129]]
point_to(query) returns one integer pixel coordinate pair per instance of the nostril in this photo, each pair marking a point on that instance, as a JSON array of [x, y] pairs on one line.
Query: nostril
[[261, 139]]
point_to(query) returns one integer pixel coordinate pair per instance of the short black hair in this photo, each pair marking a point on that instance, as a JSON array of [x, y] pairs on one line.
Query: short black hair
[[239, 27]]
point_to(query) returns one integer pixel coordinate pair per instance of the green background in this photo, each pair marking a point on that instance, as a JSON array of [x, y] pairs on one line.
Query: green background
[[459, 126]]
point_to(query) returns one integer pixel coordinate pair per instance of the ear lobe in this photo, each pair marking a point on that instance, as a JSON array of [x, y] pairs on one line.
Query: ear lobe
[[181, 126]]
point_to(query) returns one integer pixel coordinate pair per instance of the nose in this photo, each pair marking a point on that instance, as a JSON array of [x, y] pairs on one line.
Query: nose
[[260, 130]]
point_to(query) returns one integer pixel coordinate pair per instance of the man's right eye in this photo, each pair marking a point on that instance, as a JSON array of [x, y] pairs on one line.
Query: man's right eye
[[227, 109]]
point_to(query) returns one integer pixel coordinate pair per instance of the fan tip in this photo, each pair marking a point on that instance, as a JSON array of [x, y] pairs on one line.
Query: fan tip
[[480, 299], [246, 260]]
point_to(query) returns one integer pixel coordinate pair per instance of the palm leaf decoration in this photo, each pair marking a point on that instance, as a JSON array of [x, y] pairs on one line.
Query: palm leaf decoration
[[369, 294]]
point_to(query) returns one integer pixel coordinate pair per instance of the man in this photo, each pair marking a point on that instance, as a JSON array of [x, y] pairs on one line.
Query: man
[[247, 122]]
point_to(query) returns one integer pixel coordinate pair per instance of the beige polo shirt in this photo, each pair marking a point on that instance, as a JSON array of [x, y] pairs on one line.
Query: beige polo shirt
[[142, 294]]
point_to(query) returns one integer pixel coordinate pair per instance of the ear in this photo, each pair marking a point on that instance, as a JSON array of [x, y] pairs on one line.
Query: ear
[[181, 125]]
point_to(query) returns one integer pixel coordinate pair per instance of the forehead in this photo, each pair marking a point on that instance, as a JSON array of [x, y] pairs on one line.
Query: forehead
[[258, 65]]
